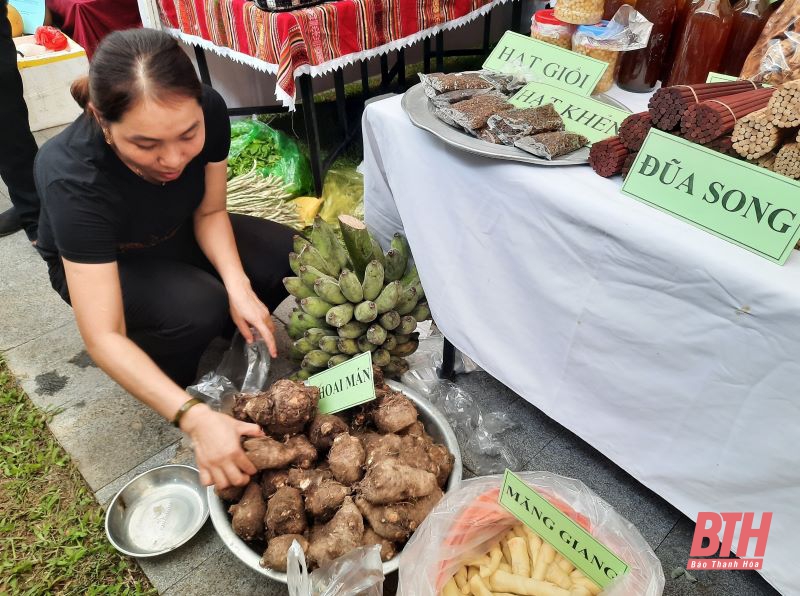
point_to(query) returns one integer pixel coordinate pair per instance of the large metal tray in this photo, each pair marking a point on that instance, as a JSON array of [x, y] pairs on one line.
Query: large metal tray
[[436, 426], [420, 111]]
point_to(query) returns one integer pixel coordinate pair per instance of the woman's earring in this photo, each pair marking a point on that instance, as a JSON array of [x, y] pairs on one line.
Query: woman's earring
[[107, 135]]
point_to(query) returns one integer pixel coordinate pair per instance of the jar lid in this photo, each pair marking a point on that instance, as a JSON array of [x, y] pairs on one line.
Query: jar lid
[[547, 16], [593, 30]]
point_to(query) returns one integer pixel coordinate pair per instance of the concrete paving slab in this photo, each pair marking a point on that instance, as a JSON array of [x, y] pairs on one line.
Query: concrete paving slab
[[570, 456], [55, 369], [674, 552], [223, 574], [109, 434], [534, 429], [281, 366]]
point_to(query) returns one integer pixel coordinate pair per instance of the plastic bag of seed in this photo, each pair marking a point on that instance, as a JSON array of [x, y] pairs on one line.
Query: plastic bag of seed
[[472, 114], [514, 124], [552, 144], [448, 98], [436, 83]]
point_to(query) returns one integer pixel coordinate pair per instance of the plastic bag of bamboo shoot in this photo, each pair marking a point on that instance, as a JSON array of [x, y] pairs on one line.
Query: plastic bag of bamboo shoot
[[469, 534]]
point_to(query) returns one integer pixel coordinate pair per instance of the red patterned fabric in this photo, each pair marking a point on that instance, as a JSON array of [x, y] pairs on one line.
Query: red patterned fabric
[[89, 21], [310, 36]]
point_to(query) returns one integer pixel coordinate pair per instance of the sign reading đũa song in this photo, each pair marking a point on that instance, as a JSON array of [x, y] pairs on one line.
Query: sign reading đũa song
[[570, 539], [345, 385], [545, 62], [734, 200], [596, 120]]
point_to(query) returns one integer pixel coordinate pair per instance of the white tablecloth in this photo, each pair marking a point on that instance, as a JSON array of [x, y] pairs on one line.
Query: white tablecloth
[[671, 351]]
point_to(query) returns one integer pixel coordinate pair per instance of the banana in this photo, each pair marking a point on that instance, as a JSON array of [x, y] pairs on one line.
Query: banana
[[302, 375], [381, 357], [338, 359], [304, 345], [396, 367], [295, 354], [377, 251], [300, 322], [400, 244], [373, 280], [401, 339], [310, 275], [329, 343], [353, 330], [364, 345], [390, 320], [348, 346], [294, 263], [422, 312], [339, 316], [408, 301], [310, 256], [299, 243], [329, 290], [407, 325], [366, 312], [410, 278], [350, 286], [388, 298], [405, 349], [315, 306], [316, 359], [325, 241], [376, 335], [314, 334], [390, 343], [395, 265], [296, 287]]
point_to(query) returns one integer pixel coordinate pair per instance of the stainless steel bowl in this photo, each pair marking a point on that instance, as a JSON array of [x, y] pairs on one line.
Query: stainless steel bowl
[[157, 511], [435, 424]]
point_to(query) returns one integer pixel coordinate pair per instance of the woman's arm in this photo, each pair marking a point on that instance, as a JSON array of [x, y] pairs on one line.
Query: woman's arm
[[212, 228], [96, 298]]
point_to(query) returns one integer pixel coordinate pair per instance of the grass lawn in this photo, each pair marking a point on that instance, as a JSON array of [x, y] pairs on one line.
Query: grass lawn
[[52, 539]]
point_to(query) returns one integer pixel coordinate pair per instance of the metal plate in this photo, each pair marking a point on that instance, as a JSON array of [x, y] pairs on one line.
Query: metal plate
[[420, 111], [435, 424], [157, 511]]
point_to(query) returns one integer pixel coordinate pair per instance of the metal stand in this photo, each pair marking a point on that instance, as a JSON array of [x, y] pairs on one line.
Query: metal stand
[[447, 370]]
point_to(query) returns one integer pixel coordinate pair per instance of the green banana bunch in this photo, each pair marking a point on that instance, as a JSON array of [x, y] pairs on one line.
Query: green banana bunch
[[353, 299]]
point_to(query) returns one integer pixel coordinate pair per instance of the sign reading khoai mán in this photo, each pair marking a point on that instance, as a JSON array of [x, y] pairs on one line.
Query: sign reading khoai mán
[[345, 385]]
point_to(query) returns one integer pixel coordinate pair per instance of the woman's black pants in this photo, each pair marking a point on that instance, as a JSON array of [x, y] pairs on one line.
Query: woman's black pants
[[175, 307]]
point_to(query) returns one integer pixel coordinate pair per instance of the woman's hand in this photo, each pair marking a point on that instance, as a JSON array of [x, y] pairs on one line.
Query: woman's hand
[[217, 448], [247, 312]]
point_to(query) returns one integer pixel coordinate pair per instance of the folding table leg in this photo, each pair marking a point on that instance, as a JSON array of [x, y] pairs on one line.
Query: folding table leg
[[426, 55], [516, 15], [364, 80], [312, 130], [384, 73], [401, 68], [341, 100], [440, 51], [487, 33], [447, 370], [202, 65]]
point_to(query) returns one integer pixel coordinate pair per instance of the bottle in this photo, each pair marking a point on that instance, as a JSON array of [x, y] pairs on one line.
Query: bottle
[[702, 43], [749, 18], [640, 70], [684, 8]]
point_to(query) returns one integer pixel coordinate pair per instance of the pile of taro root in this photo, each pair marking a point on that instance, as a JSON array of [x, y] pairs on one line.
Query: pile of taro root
[[368, 475]]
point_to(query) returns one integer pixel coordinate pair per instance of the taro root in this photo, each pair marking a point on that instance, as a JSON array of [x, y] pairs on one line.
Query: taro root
[[285, 408]]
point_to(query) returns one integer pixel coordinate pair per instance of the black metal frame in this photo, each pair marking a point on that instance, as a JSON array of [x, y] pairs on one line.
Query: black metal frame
[[351, 129], [447, 369]]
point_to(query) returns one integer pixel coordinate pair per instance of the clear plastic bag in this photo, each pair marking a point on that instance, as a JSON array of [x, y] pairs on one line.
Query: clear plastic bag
[[467, 521], [244, 368], [775, 59], [478, 431], [358, 573]]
